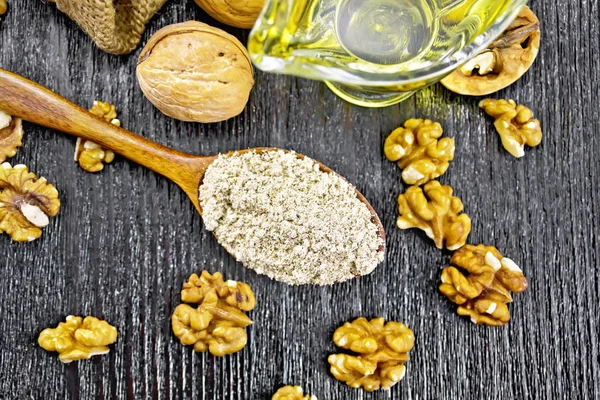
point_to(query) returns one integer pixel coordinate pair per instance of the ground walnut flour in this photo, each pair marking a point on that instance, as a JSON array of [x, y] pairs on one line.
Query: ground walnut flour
[[282, 216]]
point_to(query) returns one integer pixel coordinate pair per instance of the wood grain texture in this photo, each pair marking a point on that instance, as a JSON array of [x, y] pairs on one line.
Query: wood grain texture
[[126, 239]]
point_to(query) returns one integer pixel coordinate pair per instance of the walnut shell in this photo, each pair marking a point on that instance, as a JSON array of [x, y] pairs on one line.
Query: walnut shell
[[195, 72], [238, 13], [503, 62]]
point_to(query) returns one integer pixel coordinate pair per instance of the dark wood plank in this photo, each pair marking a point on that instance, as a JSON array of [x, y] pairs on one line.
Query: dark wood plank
[[126, 239]]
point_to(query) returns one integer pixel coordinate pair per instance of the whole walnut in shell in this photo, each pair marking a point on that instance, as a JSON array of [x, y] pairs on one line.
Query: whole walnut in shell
[[238, 13], [195, 72]]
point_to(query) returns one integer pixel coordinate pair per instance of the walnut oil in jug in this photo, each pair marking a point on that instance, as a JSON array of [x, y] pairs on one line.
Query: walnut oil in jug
[[365, 43]]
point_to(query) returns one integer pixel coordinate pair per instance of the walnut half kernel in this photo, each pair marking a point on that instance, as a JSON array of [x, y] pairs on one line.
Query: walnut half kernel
[[26, 203], [217, 323], [78, 338], [515, 125], [292, 393], [419, 151], [382, 351], [90, 156], [435, 211], [11, 135], [485, 291]]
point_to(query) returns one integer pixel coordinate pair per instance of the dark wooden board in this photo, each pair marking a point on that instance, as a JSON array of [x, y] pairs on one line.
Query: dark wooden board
[[126, 239]]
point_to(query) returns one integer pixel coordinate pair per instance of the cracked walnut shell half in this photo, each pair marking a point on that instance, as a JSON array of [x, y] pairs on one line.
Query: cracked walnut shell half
[[419, 151], [90, 156], [195, 72], [26, 202], [503, 62], [238, 13], [485, 291], [435, 211], [515, 125], [78, 338], [382, 351], [11, 135], [292, 393], [218, 323]]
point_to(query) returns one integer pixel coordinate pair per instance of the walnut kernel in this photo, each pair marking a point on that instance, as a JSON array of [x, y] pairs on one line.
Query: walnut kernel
[[26, 202], [11, 135], [238, 13], [236, 294], [292, 393], [106, 111], [419, 151], [78, 339], [503, 62], [195, 72], [218, 323], [484, 292], [382, 351], [90, 156], [434, 210], [515, 125]]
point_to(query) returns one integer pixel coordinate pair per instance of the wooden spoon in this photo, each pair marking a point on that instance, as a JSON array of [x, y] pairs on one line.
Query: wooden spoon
[[25, 99]]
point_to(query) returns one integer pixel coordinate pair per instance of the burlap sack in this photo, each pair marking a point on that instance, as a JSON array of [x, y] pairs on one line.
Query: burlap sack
[[116, 26]]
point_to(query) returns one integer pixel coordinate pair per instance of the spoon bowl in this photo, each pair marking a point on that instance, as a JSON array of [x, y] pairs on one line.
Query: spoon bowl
[[25, 99]]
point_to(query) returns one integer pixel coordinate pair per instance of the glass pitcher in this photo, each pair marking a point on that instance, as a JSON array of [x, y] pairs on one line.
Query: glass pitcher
[[375, 53]]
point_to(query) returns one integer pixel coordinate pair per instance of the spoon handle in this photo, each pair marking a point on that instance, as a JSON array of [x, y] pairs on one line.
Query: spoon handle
[[25, 99]]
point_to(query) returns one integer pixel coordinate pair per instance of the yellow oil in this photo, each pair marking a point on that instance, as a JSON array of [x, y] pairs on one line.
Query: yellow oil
[[385, 32], [327, 38]]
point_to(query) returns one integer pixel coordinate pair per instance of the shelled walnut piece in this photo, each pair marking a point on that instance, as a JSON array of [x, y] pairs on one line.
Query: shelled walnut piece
[[238, 13], [78, 339], [26, 203], [434, 210], [235, 294], [11, 135], [419, 151], [90, 156], [218, 323], [504, 61], [484, 292], [382, 351], [292, 393], [515, 125], [195, 72]]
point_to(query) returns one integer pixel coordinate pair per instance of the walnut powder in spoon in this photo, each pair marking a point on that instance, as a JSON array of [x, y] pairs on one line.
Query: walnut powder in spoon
[[282, 216]]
